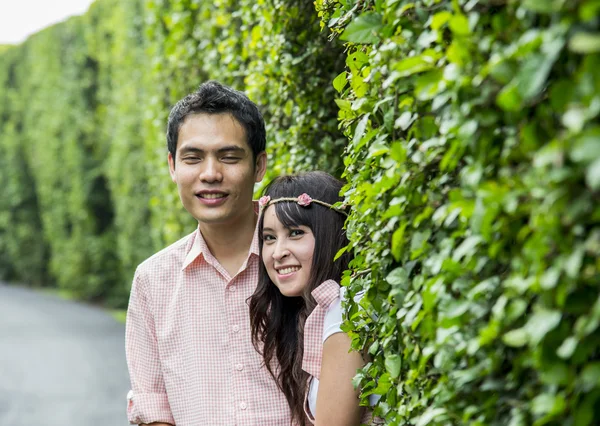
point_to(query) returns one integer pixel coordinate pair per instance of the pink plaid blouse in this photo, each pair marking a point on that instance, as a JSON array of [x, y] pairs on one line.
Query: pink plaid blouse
[[189, 352]]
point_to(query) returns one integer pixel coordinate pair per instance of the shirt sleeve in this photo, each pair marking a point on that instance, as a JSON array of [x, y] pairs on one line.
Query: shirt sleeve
[[333, 319], [147, 400]]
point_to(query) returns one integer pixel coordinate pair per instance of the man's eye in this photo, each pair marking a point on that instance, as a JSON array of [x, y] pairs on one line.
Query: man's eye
[[231, 159], [296, 232], [191, 159]]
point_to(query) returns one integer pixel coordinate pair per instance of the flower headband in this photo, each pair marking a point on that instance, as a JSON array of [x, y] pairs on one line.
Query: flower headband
[[303, 200]]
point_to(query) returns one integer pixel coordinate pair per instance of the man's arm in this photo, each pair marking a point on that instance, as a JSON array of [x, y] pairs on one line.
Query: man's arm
[[147, 402], [156, 424]]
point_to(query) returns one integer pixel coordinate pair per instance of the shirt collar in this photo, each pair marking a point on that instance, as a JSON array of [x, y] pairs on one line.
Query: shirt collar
[[199, 247], [326, 293]]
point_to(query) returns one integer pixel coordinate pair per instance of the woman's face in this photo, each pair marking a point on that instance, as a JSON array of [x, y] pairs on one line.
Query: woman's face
[[287, 254]]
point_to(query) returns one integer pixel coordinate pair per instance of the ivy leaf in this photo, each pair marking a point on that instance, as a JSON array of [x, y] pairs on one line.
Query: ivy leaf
[[398, 277], [429, 415], [363, 29], [340, 82], [585, 43], [543, 6], [393, 363], [590, 376], [534, 72], [592, 175], [567, 348], [398, 241], [541, 323], [516, 338]]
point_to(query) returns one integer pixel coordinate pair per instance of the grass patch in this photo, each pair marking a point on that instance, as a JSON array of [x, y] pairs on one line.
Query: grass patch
[[119, 314], [60, 292]]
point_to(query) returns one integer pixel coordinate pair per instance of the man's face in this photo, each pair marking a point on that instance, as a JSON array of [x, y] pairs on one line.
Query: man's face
[[214, 169]]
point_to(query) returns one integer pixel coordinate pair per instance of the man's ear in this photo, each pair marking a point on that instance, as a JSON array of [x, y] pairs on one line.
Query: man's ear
[[171, 161], [260, 166]]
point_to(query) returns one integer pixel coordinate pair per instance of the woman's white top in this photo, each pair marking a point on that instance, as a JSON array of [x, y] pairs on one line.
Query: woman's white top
[[333, 321]]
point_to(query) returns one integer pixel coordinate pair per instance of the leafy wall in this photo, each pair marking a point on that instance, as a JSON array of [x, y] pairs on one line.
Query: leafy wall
[[473, 169], [83, 110]]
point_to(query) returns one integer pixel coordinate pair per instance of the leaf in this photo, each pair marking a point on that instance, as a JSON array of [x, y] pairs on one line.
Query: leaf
[[541, 323], [439, 19], [466, 248], [509, 98], [340, 82], [360, 129], [516, 338], [587, 146], [592, 175], [585, 43], [405, 120], [363, 29], [430, 414], [414, 64], [398, 277], [543, 6], [459, 25], [393, 363], [534, 72], [590, 376], [567, 348], [398, 241], [547, 403]]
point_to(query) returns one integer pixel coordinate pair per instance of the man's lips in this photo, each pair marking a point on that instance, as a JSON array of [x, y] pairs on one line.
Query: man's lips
[[211, 198], [211, 195]]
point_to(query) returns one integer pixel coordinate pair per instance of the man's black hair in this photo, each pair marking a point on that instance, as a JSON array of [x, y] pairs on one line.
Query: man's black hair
[[213, 97]]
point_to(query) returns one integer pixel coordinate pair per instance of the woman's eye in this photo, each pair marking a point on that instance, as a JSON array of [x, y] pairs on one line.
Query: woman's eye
[[268, 238], [296, 232]]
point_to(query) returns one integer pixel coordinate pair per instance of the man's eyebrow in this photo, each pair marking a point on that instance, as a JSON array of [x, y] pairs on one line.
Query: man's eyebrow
[[231, 148], [187, 149]]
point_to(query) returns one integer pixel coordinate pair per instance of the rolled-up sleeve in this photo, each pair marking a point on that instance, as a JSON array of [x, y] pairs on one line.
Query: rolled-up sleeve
[[147, 401]]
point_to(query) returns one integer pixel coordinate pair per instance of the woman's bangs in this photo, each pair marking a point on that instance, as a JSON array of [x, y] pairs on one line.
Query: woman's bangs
[[291, 215]]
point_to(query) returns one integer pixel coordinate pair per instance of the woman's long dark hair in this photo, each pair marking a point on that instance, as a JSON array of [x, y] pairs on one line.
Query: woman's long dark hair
[[277, 321]]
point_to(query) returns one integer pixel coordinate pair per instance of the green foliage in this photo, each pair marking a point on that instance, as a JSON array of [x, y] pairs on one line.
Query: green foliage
[[85, 113], [473, 168]]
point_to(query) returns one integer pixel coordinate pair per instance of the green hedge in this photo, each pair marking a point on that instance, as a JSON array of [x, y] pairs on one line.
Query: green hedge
[[471, 147], [474, 173], [83, 115]]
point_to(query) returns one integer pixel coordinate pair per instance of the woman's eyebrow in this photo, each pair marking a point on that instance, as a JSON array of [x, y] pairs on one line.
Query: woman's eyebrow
[[267, 229]]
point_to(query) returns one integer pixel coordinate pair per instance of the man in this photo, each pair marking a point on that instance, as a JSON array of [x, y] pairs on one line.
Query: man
[[189, 350]]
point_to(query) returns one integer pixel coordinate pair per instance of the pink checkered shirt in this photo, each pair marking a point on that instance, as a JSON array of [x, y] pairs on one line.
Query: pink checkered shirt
[[325, 294], [190, 357]]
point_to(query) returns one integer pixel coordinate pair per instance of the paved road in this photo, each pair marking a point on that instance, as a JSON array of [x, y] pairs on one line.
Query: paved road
[[61, 363]]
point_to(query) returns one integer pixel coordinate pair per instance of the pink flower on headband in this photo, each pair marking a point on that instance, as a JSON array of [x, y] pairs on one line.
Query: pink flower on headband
[[264, 200], [304, 199]]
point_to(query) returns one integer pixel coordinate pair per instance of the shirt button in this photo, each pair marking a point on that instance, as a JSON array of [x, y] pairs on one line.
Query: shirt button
[[243, 405], [235, 328], [232, 288], [239, 367]]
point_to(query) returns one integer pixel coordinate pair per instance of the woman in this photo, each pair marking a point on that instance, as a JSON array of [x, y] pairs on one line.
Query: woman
[[295, 311]]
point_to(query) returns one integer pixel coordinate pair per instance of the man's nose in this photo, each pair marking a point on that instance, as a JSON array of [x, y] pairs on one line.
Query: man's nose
[[211, 170]]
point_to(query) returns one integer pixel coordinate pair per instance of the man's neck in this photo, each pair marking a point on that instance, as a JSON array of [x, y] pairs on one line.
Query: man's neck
[[229, 243]]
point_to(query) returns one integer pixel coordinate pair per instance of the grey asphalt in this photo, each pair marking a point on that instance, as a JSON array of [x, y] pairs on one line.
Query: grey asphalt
[[61, 362]]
